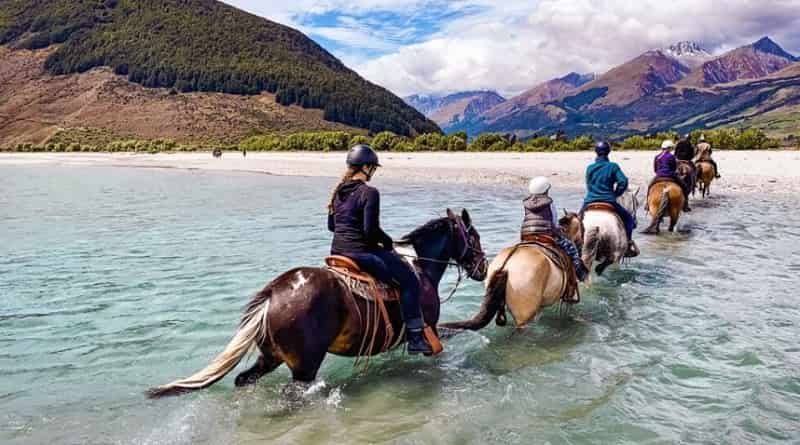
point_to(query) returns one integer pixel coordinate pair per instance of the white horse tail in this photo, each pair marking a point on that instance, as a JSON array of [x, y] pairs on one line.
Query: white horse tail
[[251, 331], [663, 205], [591, 246]]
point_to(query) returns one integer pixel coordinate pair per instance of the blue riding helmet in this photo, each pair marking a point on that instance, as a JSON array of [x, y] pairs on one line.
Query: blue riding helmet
[[602, 148]]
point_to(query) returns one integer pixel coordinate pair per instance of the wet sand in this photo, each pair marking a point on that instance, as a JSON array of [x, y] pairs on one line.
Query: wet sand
[[742, 171]]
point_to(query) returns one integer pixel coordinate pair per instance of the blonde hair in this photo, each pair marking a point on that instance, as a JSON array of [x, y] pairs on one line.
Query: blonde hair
[[348, 175]]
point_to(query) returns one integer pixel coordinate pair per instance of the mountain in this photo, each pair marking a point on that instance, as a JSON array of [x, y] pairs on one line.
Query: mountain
[[195, 46], [656, 91], [628, 82], [690, 54], [452, 109], [549, 91], [753, 61]]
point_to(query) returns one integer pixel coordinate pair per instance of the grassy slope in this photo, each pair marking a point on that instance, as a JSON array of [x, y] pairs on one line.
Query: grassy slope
[[203, 45]]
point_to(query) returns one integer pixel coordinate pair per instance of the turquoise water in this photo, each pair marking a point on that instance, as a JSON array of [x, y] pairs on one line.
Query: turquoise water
[[113, 280]]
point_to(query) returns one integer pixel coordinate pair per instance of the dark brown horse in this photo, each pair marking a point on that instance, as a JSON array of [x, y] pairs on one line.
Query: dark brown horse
[[686, 172], [307, 312]]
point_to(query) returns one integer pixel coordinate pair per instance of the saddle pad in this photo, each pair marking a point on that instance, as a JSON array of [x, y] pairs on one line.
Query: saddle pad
[[361, 283]]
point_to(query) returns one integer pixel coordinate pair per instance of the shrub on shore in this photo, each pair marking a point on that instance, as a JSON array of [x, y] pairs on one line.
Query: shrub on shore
[[726, 138]]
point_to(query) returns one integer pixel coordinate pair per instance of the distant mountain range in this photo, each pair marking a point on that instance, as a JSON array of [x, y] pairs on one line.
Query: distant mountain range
[[453, 109], [191, 70], [679, 87]]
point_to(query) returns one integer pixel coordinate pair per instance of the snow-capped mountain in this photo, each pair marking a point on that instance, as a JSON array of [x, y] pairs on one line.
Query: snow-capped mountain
[[691, 54]]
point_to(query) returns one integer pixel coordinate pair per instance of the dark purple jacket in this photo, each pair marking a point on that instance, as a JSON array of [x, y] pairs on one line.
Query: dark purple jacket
[[355, 221], [665, 165]]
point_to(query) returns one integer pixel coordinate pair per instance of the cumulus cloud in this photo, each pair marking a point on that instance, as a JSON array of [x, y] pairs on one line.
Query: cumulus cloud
[[497, 50], [512, 45]]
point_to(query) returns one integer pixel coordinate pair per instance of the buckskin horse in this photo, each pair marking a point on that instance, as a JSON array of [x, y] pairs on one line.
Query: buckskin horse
[[527, 277], [309, 311], [605, 240], [705, 174], [665, 196]]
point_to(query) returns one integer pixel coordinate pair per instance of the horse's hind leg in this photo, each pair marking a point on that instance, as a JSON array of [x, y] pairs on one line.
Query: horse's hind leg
[[266, 363], [602, 266]]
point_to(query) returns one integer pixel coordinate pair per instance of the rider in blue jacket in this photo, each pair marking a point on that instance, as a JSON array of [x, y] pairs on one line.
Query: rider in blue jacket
[[605, 182], [354, 219]]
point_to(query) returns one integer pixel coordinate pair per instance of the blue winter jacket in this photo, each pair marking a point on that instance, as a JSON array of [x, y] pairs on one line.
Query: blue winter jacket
[[605, 181]]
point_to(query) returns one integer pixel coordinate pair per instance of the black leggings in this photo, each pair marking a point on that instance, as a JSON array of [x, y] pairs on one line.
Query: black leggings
[[389, 268]]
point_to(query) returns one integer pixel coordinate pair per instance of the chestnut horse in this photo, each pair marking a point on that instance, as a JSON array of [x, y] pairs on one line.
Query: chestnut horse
[[664, 197], [705, 174], [524, 279], [309, 311]]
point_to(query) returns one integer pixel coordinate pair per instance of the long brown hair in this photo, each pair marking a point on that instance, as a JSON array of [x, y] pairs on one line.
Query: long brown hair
[[348, 175]]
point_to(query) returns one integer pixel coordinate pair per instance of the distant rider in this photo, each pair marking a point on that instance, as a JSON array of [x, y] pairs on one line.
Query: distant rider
[[541, 217], [353, 217], [704, 154], [665, 165], [685, 151], [605, 182]]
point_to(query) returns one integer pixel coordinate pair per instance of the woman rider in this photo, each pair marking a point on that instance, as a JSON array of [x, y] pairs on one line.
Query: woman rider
[[353, 217]]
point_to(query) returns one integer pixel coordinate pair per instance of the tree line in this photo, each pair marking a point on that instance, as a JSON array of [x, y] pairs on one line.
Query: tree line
[[726, 139], [206, 46]]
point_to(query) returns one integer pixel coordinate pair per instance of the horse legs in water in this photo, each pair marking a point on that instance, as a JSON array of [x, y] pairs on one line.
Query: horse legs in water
[[602, 266], [265, 364]]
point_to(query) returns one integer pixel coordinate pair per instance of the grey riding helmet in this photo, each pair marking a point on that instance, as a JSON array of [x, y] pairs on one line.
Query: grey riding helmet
[[362, 154]]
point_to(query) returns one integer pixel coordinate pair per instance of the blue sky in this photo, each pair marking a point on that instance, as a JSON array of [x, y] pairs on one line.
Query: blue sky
[[440, 46]]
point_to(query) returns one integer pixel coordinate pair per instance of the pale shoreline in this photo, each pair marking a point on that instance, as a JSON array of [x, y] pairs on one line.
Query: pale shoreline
[[742, 171]]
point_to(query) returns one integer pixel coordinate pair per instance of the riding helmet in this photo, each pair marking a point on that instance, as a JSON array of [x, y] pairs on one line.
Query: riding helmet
[[667, 144], [362, 154], [539, 185], [602, 148]]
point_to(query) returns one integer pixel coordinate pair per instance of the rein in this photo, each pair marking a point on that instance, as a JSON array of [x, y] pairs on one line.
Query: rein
[[457, 263]]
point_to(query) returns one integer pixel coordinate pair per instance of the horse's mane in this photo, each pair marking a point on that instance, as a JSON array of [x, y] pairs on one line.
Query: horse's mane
[[429, 227]]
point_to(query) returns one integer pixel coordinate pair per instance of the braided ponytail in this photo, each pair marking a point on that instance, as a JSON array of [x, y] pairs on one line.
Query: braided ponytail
[[348, 175]]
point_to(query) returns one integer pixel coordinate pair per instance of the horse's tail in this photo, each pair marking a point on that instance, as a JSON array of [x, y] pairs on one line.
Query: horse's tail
[[493, 302], [663, 204], [252, 330], [591, 246]]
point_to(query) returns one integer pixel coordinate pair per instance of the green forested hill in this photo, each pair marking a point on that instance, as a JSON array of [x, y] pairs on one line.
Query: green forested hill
[[203, 45]]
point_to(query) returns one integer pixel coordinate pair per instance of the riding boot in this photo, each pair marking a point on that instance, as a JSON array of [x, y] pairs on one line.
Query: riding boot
[[686, 207], [417, 344]]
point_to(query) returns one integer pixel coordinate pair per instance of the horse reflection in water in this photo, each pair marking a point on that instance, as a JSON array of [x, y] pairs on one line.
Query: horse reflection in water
[[309, 311]]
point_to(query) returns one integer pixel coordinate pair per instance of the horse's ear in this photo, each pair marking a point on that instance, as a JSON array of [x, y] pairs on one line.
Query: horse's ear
[[450, 214], [466, 218], [566, 213]]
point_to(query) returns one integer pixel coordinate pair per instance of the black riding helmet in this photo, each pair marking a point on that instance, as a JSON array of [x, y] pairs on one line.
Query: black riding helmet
[[362, 154]]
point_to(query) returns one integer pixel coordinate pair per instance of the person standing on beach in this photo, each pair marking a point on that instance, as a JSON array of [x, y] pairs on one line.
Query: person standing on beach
[[605, 182], [353, 217]]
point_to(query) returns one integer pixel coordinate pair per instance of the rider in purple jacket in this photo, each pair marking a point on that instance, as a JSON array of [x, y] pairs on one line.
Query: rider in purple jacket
[[665, 165]]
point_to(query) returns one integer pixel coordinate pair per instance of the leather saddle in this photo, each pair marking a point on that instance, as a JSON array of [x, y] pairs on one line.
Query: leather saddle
[[362, 283], [547, 245], [605, 207]]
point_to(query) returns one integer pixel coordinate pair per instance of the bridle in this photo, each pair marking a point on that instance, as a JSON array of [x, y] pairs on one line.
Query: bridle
[[463, 235]]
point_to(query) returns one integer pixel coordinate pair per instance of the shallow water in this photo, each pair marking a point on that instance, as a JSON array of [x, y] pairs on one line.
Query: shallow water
[[113, 280]]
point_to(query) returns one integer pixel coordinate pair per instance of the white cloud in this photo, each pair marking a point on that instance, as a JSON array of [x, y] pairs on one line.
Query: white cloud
[[512, 45], [498, 50]]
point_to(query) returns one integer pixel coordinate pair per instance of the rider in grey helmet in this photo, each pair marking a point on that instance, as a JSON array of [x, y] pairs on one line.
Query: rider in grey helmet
[[353, 217]]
